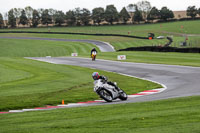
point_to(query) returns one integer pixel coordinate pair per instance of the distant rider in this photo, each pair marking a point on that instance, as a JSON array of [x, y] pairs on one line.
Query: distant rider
[[96, 76], [93, 54], [93, 50]]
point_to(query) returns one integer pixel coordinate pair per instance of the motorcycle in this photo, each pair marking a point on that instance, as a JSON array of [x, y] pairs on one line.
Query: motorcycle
[[94, 53], [108, 92]]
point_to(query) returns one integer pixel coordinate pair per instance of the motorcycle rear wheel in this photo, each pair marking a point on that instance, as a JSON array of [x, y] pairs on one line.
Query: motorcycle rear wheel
[[106, 95], [93, 57]]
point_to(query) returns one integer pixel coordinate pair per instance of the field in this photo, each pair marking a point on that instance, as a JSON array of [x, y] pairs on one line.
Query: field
[[26, 83]]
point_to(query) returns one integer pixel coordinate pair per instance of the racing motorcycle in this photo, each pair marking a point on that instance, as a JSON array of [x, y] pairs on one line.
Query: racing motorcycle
[[94, 53], [108, 92]]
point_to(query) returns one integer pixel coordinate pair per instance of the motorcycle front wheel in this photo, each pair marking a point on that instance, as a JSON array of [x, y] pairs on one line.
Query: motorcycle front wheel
[[106, 95], [93, 57], [123, 96]]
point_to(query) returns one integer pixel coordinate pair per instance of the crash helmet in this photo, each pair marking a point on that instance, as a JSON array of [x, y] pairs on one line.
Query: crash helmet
[[95, 75]]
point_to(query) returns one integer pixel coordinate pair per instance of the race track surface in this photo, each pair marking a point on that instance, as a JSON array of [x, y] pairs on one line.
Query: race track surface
[[180, 81]]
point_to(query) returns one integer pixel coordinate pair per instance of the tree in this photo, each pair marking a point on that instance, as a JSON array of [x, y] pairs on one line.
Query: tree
[[111, 14], [165, 14], [11, 18], [85, 16], [144, 7], [153, 14], [29, 13], [137, 15], [59, 17], [71, 17], [53, 13], [77, 13], [124, 15], [131, 9], [17, 13], [40, 11], [36, 18], [46, 18], [1, 21], [98, 15], [5, 19], [192, 11], [23, 19], [199, 11]]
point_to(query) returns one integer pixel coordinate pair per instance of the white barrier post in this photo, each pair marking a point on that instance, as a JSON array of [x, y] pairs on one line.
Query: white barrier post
[[121, 57], [74, 54]]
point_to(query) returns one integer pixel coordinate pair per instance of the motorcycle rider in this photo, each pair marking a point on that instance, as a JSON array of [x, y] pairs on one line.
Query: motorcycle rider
[[93, 50], [96, 76]]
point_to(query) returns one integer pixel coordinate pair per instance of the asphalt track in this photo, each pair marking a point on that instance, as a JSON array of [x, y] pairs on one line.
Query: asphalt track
[[180, 81]]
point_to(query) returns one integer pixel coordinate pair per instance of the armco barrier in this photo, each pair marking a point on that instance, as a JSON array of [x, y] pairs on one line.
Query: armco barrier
[[162, 49], [75, 34]]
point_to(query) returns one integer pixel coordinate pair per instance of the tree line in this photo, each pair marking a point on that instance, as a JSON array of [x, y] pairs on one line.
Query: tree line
[[134, 13]]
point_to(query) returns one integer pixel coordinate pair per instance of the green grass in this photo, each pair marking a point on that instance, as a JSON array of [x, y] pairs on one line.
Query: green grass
[[190, 27], [26, 83], [37, 48], [167, 29], [181, 115], [171, 58]]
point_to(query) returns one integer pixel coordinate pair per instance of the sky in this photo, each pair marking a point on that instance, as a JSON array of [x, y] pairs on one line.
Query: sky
[[66, 5]]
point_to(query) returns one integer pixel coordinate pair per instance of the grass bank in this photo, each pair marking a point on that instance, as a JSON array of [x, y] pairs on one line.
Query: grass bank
[[171, 58], [174, 29], [188, 27], [26, 83], [180, 115], [37, 48]]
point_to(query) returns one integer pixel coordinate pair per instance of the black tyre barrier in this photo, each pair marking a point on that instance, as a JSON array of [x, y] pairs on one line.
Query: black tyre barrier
[[162, 49], [75, 34]]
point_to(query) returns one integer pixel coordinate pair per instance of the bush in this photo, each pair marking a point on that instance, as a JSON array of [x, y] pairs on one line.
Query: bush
[[162, 49]]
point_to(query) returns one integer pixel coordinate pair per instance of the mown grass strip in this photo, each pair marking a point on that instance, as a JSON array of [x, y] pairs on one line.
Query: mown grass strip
[[174, 115], [171, 58], [190, 27], [37, 48]]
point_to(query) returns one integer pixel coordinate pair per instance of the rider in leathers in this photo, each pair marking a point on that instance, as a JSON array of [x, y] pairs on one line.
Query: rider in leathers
[[104, 79], [93, 50]]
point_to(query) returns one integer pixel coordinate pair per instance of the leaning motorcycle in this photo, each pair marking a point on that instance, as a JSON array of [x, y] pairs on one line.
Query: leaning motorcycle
[[94, 53], [108, 92]]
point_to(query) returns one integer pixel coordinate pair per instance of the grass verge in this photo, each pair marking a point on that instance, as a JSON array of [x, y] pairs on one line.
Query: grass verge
[[180, 115], [37, 48], [171, 58]]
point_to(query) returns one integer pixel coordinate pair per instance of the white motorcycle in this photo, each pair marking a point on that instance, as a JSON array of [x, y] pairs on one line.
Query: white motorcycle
[[108, 92]]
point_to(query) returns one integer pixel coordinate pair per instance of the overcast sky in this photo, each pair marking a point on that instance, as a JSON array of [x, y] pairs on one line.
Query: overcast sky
[[65, 5]]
